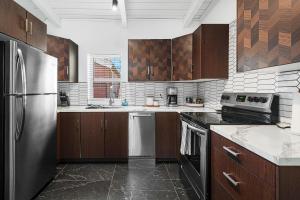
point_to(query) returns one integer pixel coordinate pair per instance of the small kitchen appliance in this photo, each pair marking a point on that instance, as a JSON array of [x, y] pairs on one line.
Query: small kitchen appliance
[[237, 109], [172, 96], [64, 99]]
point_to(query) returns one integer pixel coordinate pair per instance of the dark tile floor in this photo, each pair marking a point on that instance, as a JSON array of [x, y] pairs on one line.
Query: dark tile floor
[[137, 180]]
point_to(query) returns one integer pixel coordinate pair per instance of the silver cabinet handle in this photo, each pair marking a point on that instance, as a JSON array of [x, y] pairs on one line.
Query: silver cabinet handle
[[230, 179], [148, 72], [30, 28], [231, 152], [26, 26]]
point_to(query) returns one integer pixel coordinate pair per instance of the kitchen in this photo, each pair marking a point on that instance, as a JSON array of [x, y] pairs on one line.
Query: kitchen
[[127, 99]]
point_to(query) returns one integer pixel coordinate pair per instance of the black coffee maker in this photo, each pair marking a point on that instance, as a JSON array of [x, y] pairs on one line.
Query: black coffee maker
[[64, 99], [172, 96]]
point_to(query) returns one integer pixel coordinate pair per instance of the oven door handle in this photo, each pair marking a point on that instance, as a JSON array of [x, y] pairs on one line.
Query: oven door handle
[[198, 130]]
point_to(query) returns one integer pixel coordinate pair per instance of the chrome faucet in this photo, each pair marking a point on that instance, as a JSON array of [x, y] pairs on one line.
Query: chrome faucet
[[111, 93]]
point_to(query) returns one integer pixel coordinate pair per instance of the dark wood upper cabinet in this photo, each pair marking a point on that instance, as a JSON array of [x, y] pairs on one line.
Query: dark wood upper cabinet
[[149, 60], [182, 52], [210, 51], [16, 22], [166, 135], [116, 135], [92, 135], [37, 32], [160, 60], [267, 33], [66, 51], [69, 136], [138, 60], [12, 20]]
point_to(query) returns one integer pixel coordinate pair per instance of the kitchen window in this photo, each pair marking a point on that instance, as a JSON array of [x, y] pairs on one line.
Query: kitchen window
[[104, 76]]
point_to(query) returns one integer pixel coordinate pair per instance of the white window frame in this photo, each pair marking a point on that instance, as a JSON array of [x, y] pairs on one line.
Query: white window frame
[[91, 81]]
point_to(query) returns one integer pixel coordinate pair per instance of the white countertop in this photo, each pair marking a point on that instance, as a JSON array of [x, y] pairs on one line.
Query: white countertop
[[178, 109], [276, 145]]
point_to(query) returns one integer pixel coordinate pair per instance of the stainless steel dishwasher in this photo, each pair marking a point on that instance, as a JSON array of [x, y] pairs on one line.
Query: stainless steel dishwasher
[[142, 135]]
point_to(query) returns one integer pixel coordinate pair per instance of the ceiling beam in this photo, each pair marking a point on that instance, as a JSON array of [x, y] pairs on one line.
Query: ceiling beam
[[192, 12], [122, 9], [47, 11]]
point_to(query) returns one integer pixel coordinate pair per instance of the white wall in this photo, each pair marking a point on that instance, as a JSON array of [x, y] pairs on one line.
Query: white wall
[[108, 37]]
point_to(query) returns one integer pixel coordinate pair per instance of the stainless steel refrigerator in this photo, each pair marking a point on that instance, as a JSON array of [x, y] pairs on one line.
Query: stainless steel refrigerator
[[28, 119]]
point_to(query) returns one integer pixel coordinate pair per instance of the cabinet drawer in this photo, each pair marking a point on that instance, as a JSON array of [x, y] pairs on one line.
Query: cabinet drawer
[[237, 181], [218, 192], [254, 164]]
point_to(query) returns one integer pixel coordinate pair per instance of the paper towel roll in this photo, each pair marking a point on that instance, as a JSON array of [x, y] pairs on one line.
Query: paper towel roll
[[295, 126]]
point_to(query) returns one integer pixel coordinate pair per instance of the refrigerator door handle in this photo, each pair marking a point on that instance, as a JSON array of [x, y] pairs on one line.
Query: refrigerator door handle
[[21, 63]]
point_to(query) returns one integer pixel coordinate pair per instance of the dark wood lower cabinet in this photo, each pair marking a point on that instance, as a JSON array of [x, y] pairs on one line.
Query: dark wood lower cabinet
[[218, 192], [166, 136], [92, 135], [254, 177], [69, 136], [116, 135]]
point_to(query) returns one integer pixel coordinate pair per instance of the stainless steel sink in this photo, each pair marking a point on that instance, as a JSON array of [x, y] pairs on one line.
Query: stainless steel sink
[[102, 107]]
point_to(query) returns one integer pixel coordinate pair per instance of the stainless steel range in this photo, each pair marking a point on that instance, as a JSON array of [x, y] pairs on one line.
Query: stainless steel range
[[237, 108]]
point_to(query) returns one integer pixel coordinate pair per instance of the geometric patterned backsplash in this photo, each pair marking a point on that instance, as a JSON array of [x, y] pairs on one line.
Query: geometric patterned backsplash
[[282, 83]]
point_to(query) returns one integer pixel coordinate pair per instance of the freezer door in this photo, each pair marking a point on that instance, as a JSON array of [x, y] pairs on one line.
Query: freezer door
[[32, 152], [29, 71]]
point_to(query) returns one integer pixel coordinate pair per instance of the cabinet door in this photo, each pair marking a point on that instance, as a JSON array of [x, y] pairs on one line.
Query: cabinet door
[[69, 136], [182, 52], [57, 47], [37, 33], [12, 20], [92, 135], [167, 127], [138, 60], [196, 74], [116, 135], [160, 60], [210, 51], [72, 61]]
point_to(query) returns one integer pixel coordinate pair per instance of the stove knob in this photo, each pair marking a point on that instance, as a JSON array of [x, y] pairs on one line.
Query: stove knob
[[256, 99], [225, 97], [263, 99], [250, 99]]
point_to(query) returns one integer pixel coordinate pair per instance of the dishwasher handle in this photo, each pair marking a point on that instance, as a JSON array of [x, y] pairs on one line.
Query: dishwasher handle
[[141, 116], [144, 115]]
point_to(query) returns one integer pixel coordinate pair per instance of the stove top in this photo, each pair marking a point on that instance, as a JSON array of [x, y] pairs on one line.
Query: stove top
[[208, 119]]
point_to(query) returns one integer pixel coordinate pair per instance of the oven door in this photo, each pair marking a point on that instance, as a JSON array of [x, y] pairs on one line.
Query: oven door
[[195, 165]]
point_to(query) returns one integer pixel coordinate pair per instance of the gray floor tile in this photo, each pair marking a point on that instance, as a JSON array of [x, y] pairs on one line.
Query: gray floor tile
[[181, 185], [174, 171], [142, 184], [139, 174], [187, 194], [139, 163], [77, 190], [86, 172], [142, 195]]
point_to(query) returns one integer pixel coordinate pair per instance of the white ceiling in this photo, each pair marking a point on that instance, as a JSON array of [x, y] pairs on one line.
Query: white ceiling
[[101, 9]]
